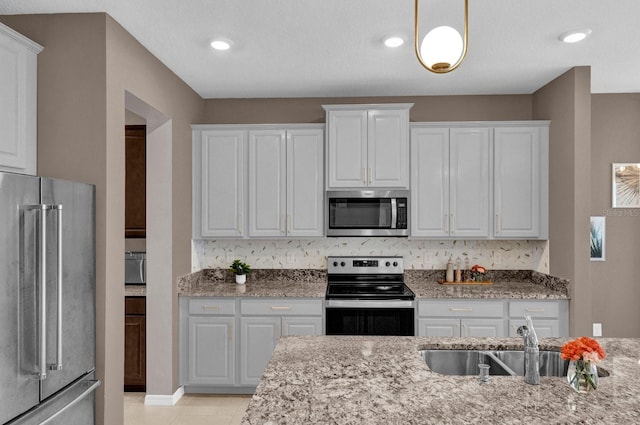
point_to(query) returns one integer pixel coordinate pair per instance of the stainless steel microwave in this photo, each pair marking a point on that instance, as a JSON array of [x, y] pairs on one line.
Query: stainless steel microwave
[[367, 213], [135, 268]]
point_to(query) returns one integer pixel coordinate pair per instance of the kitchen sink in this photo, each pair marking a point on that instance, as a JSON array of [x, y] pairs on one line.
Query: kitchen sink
[[501, 362]]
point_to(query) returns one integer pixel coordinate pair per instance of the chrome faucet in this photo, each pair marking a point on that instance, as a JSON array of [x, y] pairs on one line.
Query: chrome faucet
[[531, 352]]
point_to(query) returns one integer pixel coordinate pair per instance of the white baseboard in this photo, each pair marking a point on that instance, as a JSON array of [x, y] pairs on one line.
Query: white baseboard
[[164, 400]]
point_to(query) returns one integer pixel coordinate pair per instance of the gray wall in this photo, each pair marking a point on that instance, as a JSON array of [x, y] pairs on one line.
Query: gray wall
[[566, 101], [309, 110], [615, 137]]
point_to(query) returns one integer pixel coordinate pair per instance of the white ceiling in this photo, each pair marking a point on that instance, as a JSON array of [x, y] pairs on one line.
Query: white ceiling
[[318, 48]]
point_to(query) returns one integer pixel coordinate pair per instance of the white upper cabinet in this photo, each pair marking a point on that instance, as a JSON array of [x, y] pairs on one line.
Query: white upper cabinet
[[305, 182], [450, 182], [18, 102], [429, 182], [267, 183], [469, 180], [347, 148], [258, 181], [368, 146], [479, 180], [218, 183], [521, 182], [286, 196]]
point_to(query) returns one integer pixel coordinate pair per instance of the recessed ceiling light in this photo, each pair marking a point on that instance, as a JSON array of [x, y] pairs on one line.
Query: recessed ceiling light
[[221, 44], [575, 35], [394, 41]]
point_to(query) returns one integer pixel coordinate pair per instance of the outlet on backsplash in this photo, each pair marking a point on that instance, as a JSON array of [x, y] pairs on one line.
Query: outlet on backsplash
[[497, 259], [291, 257]]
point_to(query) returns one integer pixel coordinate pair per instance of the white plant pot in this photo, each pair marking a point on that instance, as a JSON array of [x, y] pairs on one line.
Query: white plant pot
[[241, 279]]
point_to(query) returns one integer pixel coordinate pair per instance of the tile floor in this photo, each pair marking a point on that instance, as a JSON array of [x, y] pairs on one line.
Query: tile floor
[[191, 409]]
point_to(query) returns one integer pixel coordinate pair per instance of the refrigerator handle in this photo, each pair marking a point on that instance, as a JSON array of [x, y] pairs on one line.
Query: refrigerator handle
[[94, 385], [57, 365], [41, 284], [42, 291]]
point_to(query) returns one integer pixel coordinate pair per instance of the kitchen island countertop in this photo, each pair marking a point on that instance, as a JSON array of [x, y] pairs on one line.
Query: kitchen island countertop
[[383, 380]]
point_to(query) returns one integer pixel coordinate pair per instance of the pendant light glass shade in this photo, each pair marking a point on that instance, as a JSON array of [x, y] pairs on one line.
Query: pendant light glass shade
[[443, 49]]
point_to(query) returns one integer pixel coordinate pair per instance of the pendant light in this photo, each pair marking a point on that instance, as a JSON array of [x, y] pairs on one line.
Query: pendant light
[[443, 49]]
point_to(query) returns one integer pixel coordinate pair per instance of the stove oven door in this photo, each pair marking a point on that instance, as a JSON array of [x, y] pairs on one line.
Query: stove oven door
[[359, 317]]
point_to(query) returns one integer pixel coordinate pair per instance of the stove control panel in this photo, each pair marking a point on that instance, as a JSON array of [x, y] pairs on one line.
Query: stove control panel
[[365, 265]]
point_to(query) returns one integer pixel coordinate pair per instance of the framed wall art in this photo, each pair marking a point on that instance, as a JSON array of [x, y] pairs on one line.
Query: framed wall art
[[597, 238], [626, 185]]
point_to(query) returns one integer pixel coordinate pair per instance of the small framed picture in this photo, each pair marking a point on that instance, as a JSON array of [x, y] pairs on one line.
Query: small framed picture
[[626, 185], [597, 238]]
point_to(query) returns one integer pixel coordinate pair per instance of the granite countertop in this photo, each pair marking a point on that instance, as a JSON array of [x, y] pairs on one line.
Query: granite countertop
[[311, 283], [278, 283], [135, 290], [383, 380]]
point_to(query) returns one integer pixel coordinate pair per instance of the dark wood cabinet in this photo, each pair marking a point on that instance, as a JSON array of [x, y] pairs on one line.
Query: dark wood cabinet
[[135, 352], [135, 215]]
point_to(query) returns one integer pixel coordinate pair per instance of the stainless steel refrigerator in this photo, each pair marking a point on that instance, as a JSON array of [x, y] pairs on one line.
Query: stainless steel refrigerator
[[47, 301]]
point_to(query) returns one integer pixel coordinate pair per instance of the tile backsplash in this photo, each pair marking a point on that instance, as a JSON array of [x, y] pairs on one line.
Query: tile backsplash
[[418, 254]]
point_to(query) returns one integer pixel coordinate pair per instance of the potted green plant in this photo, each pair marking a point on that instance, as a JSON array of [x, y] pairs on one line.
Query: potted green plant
[[241, 270]]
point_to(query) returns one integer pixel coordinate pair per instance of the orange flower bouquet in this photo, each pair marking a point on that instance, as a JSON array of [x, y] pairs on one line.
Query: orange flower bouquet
[[584, 353]]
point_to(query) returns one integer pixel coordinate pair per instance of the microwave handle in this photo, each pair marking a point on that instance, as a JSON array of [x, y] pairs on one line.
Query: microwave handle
[[142, 276], [394, 213]]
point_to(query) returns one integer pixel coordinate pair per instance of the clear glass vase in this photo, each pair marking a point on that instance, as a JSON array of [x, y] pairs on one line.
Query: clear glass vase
[[582, 376]]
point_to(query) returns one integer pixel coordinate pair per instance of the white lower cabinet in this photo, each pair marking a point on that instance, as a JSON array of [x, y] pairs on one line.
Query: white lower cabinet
[[453, 318], [211, 338], [550, 318], [226, 343], [461, 327], [273, 318], [490, 318], [211, 352], [258, 338]]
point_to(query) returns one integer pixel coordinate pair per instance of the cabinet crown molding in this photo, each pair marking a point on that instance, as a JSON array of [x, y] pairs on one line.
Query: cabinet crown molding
[[364, 107], [529, 123], [30, 44], [201, 127]]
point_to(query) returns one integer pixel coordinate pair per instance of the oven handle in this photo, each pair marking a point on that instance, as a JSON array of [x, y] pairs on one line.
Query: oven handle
[[369, 303]]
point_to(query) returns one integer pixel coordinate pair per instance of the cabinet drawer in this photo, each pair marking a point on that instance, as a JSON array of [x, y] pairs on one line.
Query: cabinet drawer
[[135, 305], [281, 307], [545, 328], [457, 308], [534, 308], [211, 306]]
